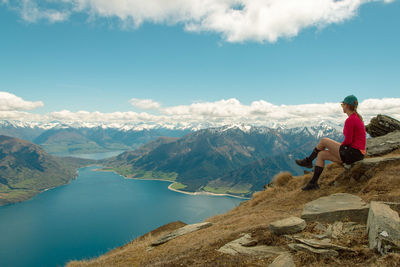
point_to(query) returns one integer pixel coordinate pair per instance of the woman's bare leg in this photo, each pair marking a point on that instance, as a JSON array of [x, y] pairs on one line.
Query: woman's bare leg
[[326, 155], [330, 151], [331, 145]]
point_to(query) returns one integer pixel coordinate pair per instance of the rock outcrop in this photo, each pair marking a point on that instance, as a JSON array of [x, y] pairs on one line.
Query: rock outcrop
[[360, 170], [181, 231], [383, 144], [289, 225], [336, 207], [381, 125], [383, 228]]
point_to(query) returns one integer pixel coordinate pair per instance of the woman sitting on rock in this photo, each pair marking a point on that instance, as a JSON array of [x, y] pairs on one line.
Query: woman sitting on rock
[[352, 149]]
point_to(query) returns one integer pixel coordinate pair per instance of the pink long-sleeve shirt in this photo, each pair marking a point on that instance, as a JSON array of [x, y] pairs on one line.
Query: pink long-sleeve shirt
[[354, 133]]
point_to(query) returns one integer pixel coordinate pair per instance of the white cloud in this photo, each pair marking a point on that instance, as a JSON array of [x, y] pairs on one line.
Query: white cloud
[[235, 20], [31, 11], [10, 102], [209, 114], [144, 103]]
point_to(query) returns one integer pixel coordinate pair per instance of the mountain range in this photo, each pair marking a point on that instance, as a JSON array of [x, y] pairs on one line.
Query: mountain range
[[60, 138], [235, 159]]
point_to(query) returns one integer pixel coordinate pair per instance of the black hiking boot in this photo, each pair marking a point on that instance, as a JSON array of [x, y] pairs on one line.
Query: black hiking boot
[[310, 186], [307, 162], [304, 163]]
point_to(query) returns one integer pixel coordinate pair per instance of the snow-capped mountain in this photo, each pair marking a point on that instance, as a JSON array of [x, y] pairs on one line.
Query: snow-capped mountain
[[233, 155], [81, 137]]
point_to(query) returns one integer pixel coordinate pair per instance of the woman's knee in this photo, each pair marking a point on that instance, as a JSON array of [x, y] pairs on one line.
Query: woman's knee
[[325, 140]]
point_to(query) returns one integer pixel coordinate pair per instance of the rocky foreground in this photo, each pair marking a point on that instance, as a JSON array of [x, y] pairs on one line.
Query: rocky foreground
[[353, 220]]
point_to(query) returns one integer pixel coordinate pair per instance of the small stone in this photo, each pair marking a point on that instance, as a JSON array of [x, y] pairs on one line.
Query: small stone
[[284, 260], [320, 227], [247, 241], [289, 225], [235, 248]]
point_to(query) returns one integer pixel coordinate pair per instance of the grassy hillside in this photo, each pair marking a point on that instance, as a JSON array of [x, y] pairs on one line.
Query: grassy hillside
[[26, 170], [381, 183]]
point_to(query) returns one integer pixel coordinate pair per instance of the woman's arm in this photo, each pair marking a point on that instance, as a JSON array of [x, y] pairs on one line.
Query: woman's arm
[[348, 131]]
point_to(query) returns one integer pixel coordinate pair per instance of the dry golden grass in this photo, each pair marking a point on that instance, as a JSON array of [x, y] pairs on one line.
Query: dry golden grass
[[282, 178], [253, 216]]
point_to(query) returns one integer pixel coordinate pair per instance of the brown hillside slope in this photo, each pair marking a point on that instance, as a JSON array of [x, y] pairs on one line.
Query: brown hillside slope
[[284, 199]]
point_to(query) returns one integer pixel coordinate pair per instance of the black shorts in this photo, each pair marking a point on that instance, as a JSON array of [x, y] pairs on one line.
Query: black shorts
[[349, 154]]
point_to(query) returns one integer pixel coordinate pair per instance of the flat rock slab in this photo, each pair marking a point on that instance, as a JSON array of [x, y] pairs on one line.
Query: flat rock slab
[[181, 231], [321, 252], [336, 207], [383, 144], [284, 260], [236, 247], [289, 225], [383, 228], [371, 162], [324, 244]]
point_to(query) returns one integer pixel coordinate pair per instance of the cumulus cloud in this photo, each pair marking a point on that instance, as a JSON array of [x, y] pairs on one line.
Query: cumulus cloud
[[10, 102], [144, 103], [262, 112], [206, 114], [235, 20]]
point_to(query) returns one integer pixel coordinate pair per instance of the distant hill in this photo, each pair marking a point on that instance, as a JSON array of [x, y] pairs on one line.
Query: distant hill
[[26, 170], [58, 138], [91, 140], [234, 159]]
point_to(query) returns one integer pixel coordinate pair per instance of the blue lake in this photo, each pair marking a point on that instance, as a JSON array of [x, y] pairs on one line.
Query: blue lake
[[93, 214]]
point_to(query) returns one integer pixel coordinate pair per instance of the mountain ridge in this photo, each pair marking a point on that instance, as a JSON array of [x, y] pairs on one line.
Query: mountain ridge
[[26, 170], [198, 158]]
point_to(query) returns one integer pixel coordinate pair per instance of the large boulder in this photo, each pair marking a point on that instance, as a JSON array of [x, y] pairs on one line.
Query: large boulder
[[383, 228], [289, 225], [383, 144], [381, 125], [336, 207]]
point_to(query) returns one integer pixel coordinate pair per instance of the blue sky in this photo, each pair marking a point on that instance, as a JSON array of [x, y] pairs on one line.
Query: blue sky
[[99, 63]]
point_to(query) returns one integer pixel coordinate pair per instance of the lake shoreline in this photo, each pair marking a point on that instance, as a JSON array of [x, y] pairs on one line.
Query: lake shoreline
[[204, 193], [177, 190]]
